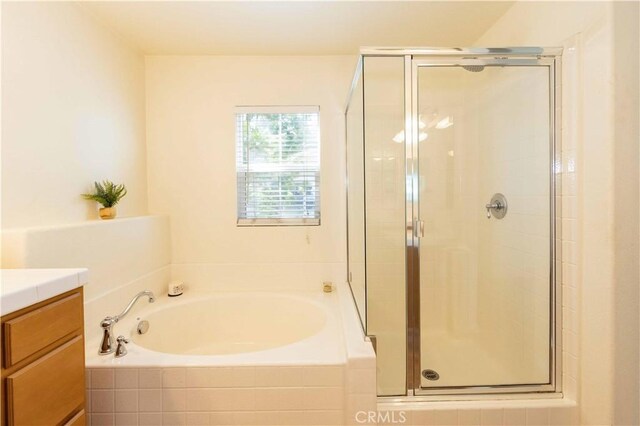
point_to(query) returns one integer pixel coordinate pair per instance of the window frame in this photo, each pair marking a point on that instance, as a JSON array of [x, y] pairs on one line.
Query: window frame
[[279, 221]]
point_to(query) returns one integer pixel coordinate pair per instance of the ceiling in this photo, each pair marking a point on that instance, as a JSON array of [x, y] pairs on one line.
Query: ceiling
[[293, 27]]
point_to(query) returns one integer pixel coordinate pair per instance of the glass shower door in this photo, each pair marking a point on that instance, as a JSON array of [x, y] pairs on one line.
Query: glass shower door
[[484, 202]]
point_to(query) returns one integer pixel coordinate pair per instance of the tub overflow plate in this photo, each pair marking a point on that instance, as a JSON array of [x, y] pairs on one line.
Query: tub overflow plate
[[143, 326]]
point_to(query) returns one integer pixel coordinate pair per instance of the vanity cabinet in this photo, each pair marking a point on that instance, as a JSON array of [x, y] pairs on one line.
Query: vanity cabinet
[[43, 363]]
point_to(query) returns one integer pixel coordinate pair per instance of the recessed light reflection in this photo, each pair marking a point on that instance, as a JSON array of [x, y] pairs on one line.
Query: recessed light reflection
[[399, 137], [444, 123]]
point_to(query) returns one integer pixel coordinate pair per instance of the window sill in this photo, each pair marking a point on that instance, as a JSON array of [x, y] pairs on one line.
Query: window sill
[[278, 222]]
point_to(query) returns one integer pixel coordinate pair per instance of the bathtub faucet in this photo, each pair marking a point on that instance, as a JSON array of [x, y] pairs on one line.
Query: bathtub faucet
[[107, 345]]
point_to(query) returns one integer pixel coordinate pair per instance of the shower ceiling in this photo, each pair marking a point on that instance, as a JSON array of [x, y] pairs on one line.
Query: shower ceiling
[[293, 27]]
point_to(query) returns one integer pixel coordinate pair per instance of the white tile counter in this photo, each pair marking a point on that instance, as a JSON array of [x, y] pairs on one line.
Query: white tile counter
[[20, 288]]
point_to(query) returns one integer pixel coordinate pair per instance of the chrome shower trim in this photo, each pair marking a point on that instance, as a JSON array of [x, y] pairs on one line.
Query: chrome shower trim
[[401, 401], [413, 284], [354, 83], [554, 387], [555, 214], [412, 293], [531, 51]]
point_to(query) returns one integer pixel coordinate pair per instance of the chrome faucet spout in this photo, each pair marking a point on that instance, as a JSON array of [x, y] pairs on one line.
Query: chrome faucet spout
[[107, 345], [147, 293]]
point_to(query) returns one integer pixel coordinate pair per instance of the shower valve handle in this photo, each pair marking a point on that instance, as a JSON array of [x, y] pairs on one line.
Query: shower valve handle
[[491, 206], [497, 206]]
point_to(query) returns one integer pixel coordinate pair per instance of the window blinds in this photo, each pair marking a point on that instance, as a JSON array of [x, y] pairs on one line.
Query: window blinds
[[278, 165]]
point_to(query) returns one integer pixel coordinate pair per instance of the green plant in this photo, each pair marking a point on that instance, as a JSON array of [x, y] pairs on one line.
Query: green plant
[[107, 193]]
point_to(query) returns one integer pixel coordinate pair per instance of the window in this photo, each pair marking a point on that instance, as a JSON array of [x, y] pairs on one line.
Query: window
[[278, 165]]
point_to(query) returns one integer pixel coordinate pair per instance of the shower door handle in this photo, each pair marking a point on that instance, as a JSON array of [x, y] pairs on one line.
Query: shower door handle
[[418, 229]]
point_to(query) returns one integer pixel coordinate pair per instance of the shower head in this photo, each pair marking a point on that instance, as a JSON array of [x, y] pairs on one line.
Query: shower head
[[473, 68], [472, 64]]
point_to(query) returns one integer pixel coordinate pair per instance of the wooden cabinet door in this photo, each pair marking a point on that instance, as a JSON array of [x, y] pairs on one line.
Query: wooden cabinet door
[[28, 333], [46, 391]]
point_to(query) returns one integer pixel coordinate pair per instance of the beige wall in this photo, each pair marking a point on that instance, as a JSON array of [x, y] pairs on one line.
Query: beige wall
[[124, 256], [589, 29], [626, 62], [191, 155], [72, 113]]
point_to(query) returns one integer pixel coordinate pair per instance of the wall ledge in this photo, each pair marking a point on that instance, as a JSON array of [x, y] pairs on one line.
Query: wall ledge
[[86, 223]]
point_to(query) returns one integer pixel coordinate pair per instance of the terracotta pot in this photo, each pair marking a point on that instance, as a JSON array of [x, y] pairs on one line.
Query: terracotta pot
[[107, 213]]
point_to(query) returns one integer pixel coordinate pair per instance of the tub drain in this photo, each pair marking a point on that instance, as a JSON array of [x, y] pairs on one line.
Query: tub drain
[[430, 374]]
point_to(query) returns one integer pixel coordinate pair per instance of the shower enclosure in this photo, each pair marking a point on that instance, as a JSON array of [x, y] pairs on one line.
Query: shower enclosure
[[452, 225]]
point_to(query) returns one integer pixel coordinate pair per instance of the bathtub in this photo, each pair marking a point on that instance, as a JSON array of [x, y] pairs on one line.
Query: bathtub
[[235, 358], [225, 329]]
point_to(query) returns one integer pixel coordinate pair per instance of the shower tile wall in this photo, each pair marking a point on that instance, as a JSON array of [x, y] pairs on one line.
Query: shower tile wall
[[449, 206], [514, 251], [570, 257]]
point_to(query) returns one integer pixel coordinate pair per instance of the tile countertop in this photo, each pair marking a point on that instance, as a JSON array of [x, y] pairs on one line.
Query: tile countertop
[[20, 288]]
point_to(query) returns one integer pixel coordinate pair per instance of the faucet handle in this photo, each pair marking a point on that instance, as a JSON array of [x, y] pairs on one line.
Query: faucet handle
[[121, 350], [107, 322], [106, 345]]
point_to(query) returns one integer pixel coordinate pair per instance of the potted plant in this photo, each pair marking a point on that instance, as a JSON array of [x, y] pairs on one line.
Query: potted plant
[[108, 194]]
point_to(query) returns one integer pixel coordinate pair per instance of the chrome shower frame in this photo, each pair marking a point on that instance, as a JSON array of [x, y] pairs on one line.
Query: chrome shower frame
[[414, 58]]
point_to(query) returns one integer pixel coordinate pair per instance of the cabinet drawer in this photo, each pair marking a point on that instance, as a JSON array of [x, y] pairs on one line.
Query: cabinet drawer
[[28, 333], [48, 390]]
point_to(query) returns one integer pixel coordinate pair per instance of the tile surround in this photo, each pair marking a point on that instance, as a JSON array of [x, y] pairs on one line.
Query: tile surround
[[311, 395]]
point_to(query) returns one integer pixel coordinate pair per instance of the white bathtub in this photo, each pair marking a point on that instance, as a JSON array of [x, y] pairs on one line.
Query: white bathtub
[[231, 324], [254, 358], [227, 329]]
